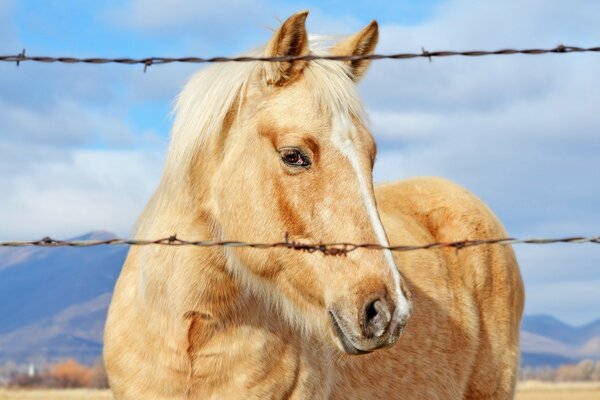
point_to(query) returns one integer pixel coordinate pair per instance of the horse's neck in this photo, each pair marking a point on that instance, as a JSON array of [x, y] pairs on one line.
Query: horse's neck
[[173, 283], [193, 315], [182, 279]]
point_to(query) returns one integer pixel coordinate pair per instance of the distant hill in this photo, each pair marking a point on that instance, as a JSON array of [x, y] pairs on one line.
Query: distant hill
[[53, 304], [546, 340], [551, 327], [544, 360], [53, 301]]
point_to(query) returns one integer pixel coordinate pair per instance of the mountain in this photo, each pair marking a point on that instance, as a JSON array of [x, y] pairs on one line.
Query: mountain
[[547, 341], [53, 301], [53, 304], [544, 360], [558, 330]]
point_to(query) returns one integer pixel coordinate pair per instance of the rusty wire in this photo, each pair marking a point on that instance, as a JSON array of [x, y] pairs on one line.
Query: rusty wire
[[149, 61], [324, 248]]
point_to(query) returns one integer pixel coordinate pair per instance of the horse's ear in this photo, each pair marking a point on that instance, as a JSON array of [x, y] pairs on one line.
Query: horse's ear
[[359, 44], [289, 40]]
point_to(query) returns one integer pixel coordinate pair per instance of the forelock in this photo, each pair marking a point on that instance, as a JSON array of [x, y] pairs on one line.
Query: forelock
[[205, 101]]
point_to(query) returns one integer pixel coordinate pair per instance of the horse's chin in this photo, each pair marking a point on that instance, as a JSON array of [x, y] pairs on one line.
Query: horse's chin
[[341, 339]]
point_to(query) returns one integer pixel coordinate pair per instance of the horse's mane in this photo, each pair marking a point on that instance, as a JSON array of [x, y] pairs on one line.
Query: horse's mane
[[207, 98]]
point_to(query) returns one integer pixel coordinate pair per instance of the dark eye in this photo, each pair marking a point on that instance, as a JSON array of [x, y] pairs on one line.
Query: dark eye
[[294, 157]]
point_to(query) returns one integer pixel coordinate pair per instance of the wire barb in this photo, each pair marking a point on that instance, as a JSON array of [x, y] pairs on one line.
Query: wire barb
[[425, 53], [20, 57], [149, 61], [328, 249]]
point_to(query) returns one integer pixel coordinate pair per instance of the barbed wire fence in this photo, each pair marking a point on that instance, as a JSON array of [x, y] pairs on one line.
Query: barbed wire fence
[[149, 61], [324, 248]]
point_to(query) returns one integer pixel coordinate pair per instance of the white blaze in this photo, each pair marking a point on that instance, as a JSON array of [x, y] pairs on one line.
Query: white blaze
[[342, 139]]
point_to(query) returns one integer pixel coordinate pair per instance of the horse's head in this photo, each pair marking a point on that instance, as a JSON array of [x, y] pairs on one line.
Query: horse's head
[[294, 157]]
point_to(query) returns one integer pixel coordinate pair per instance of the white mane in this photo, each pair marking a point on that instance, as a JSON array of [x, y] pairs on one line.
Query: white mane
[[204, 102], [209, 95]]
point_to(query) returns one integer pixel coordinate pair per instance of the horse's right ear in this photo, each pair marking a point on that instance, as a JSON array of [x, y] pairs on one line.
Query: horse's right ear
[[289, 40], [362, 43]]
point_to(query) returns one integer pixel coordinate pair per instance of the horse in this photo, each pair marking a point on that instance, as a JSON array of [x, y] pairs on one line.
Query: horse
[[260, 150]]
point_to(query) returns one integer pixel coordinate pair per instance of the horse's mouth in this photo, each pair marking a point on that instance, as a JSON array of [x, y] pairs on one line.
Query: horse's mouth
[[346, 343]]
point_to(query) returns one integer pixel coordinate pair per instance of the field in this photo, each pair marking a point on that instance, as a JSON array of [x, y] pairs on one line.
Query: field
[[527, 391], [558, 391], [73, 394]]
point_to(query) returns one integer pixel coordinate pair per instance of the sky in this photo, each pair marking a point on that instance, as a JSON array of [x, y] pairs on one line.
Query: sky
[[82, 147]]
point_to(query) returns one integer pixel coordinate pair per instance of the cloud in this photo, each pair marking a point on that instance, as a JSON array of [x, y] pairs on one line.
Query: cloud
[[499, 24], [202, 25], [45, 115], [487, 82], [7, 32], [84, 191], [561, 280], [220, 28], [156, 15], [69, 167], [65, 123], [521, 132], [576, 302], [82, 146], [71, 159]]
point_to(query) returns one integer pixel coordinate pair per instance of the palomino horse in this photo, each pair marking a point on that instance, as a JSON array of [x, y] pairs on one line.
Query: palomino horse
[[263, 149]]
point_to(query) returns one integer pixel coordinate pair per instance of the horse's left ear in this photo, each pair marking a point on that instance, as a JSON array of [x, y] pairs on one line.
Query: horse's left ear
[[289, 40], [359, 44]]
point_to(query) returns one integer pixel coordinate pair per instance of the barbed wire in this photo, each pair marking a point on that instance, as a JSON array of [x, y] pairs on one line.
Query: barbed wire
[[325, 248], [148, 61]]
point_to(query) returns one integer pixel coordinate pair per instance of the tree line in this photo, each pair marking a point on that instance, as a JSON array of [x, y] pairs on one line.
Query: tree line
[[584, 371], [72, 374], [65, 374]]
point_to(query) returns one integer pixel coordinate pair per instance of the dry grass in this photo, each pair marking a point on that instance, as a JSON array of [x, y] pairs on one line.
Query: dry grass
[[558, 391], [526, 391], [73, 394]]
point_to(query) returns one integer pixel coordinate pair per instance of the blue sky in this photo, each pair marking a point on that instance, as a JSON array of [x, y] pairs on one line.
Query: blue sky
[[81, 147]]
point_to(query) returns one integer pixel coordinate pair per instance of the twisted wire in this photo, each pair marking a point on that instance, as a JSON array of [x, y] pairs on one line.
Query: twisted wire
[[340, 248], [149, 61]]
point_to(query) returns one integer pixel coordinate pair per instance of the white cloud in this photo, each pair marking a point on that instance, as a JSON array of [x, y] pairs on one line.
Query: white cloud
[[577, 302], [497, 24], [7, 32], [413, 126], [84, 191], [521, 132], [202, 26], [225, 17], [179, 14], [63, 124], [71, 160]]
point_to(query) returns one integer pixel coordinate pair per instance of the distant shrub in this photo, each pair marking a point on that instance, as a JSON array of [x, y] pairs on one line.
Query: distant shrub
[[584, 371], [65, 374]]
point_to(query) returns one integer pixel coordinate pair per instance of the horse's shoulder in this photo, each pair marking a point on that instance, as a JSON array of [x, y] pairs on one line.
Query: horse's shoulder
[[446, 209]]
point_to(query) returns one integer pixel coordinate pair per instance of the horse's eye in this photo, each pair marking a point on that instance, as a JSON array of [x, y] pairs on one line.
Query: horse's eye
[[295, 158]]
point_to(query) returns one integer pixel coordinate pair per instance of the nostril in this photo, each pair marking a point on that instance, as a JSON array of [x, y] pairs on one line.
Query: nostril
[[371, 312], [376, 318]]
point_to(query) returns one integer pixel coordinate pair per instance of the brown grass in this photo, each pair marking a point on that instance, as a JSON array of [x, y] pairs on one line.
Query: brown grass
[[57, 394], [558, 391], [526, 391]]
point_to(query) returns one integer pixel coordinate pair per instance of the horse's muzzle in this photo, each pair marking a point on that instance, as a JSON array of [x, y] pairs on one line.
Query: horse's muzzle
[[379, 328]]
